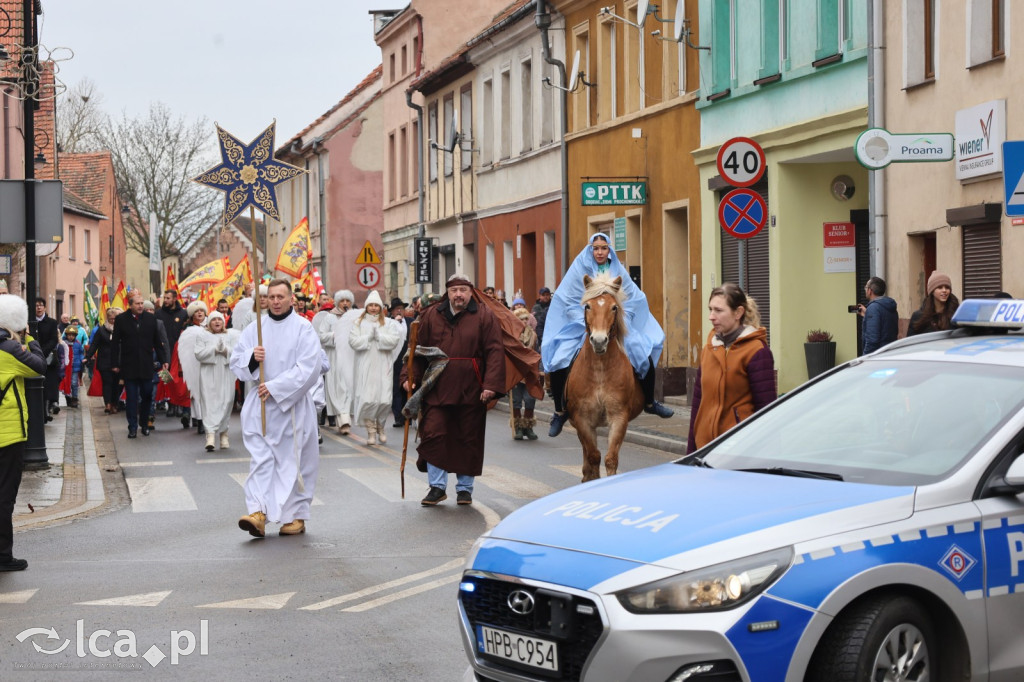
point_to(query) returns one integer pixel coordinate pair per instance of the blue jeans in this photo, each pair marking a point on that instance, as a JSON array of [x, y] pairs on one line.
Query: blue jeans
[[75, 378], [135, 389], [438, 478]]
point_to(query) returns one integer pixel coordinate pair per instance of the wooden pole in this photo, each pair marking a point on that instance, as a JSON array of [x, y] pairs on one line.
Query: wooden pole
[[256, 307], [414, 328]]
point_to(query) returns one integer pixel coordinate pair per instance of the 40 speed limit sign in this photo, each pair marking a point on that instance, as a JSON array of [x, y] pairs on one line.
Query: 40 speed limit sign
[[741, 162]]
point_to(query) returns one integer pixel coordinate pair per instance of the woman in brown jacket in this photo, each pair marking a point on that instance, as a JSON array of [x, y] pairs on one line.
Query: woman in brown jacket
[[737, 370]]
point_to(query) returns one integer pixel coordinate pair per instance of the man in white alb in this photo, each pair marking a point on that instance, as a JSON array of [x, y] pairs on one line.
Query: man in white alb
[[285, 460]]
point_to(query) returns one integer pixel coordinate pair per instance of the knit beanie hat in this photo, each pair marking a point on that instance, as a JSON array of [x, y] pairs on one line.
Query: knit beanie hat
[[937, 280]]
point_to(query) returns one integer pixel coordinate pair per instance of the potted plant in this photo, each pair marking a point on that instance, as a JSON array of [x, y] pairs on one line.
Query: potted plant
[[820, 352]]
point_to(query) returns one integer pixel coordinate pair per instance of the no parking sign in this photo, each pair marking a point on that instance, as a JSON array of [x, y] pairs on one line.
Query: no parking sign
[[742, 213]]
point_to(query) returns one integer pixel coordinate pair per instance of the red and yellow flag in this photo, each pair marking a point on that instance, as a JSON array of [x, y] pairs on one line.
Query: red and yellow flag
[[211, 273], [318, 282], [120, 296], [171, 284], [296, 252], [233, 286], [104, 301]]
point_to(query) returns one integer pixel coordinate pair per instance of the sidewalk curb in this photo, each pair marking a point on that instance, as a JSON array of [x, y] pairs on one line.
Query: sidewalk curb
[[82, 489]]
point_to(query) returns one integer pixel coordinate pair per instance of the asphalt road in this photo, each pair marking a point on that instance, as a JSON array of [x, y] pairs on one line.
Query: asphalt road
[[368, 593]]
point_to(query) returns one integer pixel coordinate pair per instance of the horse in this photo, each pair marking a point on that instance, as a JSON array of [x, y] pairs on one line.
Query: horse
[[602, 389]]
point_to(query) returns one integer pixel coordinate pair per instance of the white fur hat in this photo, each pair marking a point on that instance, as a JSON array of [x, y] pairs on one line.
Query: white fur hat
[[13, 312], [215, 315], [344, 295], [264, 290], [195, 306], [374, 297]]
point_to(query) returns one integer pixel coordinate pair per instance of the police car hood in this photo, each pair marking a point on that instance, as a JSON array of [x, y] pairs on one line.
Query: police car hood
[[679, 517]]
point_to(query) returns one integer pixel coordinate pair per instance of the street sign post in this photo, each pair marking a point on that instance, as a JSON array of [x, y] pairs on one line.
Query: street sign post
[[1013, 178], [742, 213], [741, 162]]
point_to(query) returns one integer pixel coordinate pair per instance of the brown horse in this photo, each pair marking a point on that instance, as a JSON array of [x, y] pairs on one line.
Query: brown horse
[[602, 389]]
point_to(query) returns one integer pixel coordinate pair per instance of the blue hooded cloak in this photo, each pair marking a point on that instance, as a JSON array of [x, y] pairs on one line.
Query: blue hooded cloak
[[565, 329]]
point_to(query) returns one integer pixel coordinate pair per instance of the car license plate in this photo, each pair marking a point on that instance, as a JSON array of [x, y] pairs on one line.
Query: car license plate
[[510, 646]]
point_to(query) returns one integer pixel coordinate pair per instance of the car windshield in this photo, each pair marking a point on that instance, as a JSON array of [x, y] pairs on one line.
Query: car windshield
[[885, 421]]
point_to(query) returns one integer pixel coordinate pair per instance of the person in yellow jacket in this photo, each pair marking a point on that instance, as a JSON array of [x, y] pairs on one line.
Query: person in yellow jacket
[[20, 356]]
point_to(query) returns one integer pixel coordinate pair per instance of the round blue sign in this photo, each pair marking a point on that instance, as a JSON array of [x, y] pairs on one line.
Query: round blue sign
[[742, 213]]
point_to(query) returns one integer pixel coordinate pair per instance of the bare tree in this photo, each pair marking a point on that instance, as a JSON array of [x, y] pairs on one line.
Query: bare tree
[[80, 119], [155, 158]]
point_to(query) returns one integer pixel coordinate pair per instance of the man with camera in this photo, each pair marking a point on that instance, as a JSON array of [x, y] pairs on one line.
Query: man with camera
[[881, 321]]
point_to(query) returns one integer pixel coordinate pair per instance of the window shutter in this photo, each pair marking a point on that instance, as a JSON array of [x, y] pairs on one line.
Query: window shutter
[[982, 249]]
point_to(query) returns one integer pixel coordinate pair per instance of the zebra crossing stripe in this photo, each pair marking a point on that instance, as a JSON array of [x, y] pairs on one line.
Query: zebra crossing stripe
[[353, 596], [160, 494], [17, 597], [147, 599], [271, 601]]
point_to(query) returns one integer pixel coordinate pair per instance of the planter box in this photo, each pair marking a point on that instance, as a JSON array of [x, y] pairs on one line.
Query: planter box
[[821, 357]]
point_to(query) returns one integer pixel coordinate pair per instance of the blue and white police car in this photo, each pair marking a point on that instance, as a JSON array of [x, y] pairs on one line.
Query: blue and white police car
[[867, 526]]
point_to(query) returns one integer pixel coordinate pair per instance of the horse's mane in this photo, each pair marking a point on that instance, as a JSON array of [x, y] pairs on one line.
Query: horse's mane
[[604, 284]]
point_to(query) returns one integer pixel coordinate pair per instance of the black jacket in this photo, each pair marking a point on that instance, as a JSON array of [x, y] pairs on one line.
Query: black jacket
[[133, 343], [45, 332], [174, 322], [100, 348]]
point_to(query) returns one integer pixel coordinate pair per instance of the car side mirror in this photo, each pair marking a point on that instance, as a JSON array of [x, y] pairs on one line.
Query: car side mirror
[[1015, 474]]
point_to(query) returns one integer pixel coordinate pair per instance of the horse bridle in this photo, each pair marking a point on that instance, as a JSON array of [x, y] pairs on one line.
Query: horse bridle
[[612, 328]]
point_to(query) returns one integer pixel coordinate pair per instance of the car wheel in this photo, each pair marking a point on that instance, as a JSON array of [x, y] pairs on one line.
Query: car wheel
[[886, 639]]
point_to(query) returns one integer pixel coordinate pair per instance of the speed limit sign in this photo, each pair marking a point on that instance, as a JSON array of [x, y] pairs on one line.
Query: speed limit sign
[[741, 162], [368, 276]]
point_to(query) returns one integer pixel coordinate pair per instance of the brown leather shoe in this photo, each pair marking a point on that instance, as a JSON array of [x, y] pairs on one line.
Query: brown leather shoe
[[296, 527], [255, 523]]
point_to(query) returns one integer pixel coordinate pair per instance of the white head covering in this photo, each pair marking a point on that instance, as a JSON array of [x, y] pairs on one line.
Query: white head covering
[[344, 295], [264, 290], [13, 313], [215, 315], [194, 306], [374, 297]]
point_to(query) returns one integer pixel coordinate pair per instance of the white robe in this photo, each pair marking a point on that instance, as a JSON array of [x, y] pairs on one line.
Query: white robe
[[217, 397], [374, 367], [190, 366], [285, 461], [333, 331], [242, 314]]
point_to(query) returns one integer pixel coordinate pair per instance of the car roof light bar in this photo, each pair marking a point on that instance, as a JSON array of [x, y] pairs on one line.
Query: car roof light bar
[[1002, 313]]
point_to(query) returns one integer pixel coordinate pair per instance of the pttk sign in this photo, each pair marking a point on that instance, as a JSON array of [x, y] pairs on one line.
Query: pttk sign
[[742, 213]]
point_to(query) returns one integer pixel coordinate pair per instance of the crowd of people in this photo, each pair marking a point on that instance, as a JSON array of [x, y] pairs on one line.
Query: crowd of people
[[307, 365]]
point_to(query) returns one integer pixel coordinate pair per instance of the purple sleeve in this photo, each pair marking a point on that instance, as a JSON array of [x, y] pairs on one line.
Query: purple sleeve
[[761, 374], [691, 444]]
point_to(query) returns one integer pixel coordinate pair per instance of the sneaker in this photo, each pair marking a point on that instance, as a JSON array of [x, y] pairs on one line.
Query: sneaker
[[131, 433], [464, 497], [296, 527], [557, 422], [659, 409], [255, 523], [434, 495], [13, 564], [145, 431]]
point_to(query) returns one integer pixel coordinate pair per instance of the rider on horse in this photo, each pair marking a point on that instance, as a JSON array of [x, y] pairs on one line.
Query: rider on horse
[[565, 329]]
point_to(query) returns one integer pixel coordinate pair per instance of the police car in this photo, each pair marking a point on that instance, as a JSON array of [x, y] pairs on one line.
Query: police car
[[867, 526]]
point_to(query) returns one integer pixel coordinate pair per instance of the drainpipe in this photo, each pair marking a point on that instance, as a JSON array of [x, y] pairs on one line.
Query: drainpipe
[[876, 119], [543, 22], [318, 149], [419, 139]]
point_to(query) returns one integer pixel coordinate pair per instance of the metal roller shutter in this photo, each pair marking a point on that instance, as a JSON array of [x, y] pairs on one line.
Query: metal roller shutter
[[982, 249], [746, 262]]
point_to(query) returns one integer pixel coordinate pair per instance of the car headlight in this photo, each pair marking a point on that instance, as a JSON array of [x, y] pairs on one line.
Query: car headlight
[[715, 588]]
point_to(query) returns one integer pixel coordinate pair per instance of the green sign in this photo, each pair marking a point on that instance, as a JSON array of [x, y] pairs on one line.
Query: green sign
[[614, 193], [619, 234]]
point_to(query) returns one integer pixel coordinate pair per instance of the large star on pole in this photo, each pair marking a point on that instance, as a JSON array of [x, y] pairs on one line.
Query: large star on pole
[[248, 174]]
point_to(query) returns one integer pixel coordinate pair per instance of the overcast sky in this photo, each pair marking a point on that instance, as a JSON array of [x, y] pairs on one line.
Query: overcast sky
[[240, 63]]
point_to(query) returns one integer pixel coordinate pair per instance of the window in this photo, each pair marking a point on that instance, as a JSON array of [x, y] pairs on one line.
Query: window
[[773, 18], [88, 247], [830, 31], [986, 31], [403, 162], [606, 70], [581, 97], [434, 140], [392, 185], [391, 68], [71, 242], [723, 62], [506, 115], [414, 141], [526, 100], [673, 66], [488, 124], [415, 53], [919, 46], [466, 125], [634, 81], [448, 135], [547, 114], [982, 260], [73, 303], [405, 59]]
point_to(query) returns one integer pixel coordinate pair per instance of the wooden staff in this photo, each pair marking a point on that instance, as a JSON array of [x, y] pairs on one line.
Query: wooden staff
[[256, 307], [413, 330]]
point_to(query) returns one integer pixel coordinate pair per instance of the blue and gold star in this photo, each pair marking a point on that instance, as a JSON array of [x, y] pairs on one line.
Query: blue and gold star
[[248, 174]]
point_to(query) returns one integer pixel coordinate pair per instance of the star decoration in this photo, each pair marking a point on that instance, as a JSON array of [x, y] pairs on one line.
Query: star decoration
[[248, 174]]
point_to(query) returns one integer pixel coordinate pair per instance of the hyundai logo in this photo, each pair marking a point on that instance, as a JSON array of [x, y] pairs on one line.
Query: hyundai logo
[[521, 602]]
